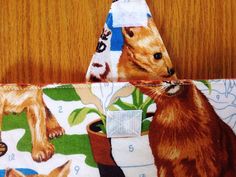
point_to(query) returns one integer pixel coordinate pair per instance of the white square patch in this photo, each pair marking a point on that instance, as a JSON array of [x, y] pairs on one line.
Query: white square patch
[[130, 13], [124, 123]]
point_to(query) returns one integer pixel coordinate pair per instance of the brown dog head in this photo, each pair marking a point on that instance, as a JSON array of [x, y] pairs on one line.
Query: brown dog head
[[62, 171], [148, 50]]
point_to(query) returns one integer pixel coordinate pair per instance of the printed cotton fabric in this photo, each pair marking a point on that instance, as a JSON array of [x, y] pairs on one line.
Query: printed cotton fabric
[[130, 47], [59, 129], [145, 125]]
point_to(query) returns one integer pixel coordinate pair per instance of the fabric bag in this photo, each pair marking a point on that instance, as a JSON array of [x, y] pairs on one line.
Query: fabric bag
[[148, 124], [130, 47]]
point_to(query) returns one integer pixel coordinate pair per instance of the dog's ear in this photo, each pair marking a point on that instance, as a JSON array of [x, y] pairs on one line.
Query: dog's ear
[[62, 171], [131, 32], [13, 173], [152, 26], [128, 32]]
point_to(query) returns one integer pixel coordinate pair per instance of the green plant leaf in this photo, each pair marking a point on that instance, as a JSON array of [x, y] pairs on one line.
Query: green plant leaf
[[78, 115], [62, 93], [146, 125], [145, 106], [137, 96], [125, 106], [207, 84], [103, 128], [113, 108]]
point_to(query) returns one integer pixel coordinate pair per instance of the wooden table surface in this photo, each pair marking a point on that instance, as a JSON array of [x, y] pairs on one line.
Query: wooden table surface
[[50, 41]]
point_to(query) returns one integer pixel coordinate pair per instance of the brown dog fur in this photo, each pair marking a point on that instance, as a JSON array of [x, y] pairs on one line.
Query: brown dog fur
[[137, 60], [187, 137], [62, 171], [15, 99]]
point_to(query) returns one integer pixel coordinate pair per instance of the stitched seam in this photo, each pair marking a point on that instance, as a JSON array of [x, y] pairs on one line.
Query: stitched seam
[[16, 88]]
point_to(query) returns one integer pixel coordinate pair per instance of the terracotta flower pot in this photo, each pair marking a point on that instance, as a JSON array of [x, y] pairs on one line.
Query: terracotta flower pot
[[101, 148], [121, 157]]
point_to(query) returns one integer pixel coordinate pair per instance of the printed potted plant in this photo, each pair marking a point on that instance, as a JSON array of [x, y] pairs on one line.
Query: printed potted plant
[[120, 156], [133, 154], [107, 154], [126, 153]]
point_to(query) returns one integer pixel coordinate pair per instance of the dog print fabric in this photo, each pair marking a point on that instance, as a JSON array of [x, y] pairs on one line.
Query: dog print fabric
[[130, 46], [150, 128], [187, 128]]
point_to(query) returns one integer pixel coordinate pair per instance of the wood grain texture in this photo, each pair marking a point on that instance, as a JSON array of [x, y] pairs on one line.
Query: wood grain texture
[[47, 41]]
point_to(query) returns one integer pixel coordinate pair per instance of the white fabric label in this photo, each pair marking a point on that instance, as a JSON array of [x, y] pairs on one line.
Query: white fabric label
[[129, 13], [124, 123]]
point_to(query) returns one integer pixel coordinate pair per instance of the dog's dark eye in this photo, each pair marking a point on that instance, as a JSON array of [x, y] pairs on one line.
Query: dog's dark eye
[[158, 56]]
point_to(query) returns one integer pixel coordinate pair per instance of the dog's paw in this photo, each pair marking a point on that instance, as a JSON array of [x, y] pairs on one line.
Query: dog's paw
[[52, 126], [43, 152], [55, 132]]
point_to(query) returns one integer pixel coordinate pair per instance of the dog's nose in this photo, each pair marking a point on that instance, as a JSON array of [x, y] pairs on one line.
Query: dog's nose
[[171, 71]]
